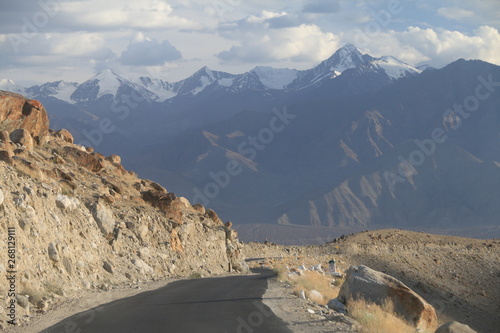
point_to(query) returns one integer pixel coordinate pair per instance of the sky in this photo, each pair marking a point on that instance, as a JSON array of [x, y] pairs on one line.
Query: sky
[[72, 40]]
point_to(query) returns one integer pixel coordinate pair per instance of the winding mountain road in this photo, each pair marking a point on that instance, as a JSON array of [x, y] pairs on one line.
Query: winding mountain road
[[227, 304]]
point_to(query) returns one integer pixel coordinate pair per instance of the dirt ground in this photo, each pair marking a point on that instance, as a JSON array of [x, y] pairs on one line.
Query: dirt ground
[[459, 276]]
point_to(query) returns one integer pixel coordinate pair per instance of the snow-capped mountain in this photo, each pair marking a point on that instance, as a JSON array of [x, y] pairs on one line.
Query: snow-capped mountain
[[61, 90], [9, 85], [109, 83], [261, 78], [394, 68]]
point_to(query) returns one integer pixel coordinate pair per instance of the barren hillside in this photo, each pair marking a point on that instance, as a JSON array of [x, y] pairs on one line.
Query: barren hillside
[[459, 276]]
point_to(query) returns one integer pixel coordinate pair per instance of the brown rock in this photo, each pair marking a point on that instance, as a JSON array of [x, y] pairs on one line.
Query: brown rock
[[23, 137], [199, 208], [4, 136], [114, 159], [90, 150], [89, 161], [6, 156], [18, 112], [158, 199], [374, 286], [65, 135]]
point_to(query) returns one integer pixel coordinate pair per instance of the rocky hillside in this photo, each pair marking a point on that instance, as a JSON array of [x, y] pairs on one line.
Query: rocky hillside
[[79, 220]]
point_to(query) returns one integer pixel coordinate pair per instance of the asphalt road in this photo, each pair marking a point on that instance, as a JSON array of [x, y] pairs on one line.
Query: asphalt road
[[228, 304]]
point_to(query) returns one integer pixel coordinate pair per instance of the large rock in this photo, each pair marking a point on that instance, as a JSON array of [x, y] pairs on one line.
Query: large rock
[[104, 218], [454, 327], [18, 112], [374, 286], [22, 137]]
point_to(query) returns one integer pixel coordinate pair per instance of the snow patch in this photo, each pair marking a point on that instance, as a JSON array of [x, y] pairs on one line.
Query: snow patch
[[394, 68], [275, 78]]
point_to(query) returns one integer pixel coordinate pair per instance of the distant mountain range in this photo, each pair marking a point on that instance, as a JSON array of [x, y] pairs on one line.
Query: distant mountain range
[[108, 83], [344, 144]]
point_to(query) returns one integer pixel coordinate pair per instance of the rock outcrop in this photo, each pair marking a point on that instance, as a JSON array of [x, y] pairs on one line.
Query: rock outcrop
[[82, 221], [364, 282], [16, 111]]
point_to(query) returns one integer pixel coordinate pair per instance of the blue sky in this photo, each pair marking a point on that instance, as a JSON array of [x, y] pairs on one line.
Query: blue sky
[[48, 40]]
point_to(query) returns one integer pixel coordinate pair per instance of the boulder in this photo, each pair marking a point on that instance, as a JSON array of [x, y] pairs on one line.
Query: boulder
[[315, 296], [65, 135], [66, 203], [18, 112], [104, 218], [22, 137], [364, 282], [114, 159], [454, 327], [92, 162], [336, 305]]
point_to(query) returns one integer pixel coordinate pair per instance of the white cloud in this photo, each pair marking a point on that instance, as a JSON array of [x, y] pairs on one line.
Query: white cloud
[[454, 13], [437, 47], [302, 43], [147, 14]]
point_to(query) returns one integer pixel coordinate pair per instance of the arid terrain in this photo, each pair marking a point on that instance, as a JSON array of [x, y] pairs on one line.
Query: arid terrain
[[459, 276]]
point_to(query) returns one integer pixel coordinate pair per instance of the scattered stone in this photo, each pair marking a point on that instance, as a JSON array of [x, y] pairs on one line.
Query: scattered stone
[[454, 327], [66, 203], [4, 136], [2, 197], [42, 305], [362, 281], [336, 305], [108, 267], [302, 294], [311, 311], [315, 296], [23, 301], [6, 156], [67, 265], [53, 253]]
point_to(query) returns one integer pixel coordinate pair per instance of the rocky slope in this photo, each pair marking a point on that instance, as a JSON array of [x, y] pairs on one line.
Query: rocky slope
[[79, 220]]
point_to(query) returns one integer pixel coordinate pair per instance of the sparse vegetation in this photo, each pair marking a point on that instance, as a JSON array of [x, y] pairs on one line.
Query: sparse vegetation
[[307, 281], [377, 319], [195, 275]]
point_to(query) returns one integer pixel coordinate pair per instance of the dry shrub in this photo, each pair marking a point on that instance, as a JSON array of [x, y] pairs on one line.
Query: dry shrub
[[311, 280], [377, 319]]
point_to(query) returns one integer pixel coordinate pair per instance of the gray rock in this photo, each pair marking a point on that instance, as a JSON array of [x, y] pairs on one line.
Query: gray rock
[[66, 203], [23, 301], [454, 327], [104, 218], [336, 305], [22, 137], [67, 265], [108, 267], [373, 286], [53, 253]]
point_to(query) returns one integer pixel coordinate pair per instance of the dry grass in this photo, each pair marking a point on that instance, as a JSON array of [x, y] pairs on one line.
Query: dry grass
[[377, 319], [310, 280]]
